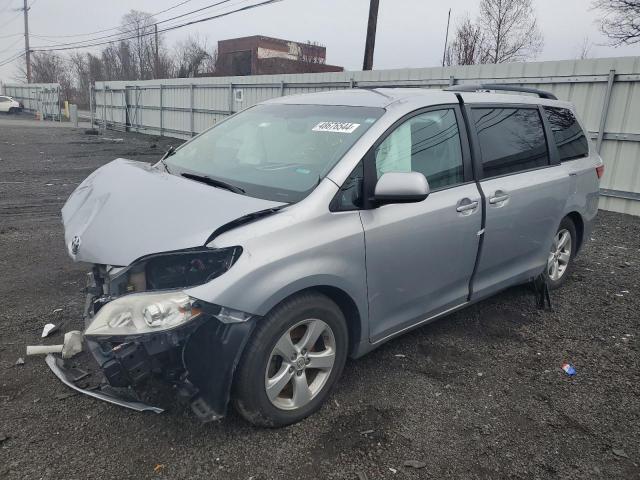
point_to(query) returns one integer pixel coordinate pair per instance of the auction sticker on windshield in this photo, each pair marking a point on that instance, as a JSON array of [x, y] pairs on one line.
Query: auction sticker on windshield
[[337, 127]]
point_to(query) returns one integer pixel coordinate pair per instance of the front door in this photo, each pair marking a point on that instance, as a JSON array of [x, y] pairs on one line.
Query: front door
[[420, 256]]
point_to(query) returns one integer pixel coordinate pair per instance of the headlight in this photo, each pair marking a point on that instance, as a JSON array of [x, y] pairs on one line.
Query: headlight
[[182, 269], [143, 313]]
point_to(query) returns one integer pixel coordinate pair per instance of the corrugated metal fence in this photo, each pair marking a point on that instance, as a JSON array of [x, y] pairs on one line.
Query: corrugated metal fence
[[37, 97], [605, 91]]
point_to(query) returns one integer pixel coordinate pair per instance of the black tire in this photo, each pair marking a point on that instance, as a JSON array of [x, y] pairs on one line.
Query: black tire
[[566, 224], [11, 110], [249, 395]]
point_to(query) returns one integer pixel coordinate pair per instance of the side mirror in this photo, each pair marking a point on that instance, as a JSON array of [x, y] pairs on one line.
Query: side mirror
[[401, 187]]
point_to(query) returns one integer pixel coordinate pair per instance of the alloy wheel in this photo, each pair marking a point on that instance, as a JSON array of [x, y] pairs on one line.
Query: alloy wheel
[[300, 364], [560, 255]]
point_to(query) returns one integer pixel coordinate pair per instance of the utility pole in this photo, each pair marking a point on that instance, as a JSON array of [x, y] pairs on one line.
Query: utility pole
[[371, 35], [27, 51], [157, 62], [446, 37]]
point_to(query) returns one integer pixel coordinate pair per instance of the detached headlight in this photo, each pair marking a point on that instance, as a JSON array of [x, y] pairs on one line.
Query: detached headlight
[[143, 313]]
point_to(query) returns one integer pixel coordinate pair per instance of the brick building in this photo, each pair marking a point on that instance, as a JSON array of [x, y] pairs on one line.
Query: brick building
[[258, 55]]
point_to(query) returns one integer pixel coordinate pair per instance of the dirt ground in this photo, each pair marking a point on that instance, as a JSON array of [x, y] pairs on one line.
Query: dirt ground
[[478, 395]]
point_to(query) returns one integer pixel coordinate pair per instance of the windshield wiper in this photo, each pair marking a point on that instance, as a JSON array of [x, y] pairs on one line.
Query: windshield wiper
[[213, 182], [167, 154], [170, 151]]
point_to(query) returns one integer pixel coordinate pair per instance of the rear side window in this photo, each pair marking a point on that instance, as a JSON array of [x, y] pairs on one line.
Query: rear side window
[[511, 140], [567, 133]]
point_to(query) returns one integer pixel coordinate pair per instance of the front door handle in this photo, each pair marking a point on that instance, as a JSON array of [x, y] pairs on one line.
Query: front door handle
[[466, 207], [499, 197]]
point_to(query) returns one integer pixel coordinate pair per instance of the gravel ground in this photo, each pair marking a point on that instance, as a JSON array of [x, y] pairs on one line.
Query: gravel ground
[[479, 394]]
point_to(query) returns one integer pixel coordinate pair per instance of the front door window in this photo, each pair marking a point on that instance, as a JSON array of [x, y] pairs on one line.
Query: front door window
[[428, 143]]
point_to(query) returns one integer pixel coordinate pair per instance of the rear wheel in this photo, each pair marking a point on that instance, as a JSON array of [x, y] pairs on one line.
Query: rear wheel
[[292, 361], [562, 253]]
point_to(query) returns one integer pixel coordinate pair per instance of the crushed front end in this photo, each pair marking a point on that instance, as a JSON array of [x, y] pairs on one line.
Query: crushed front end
[[141, 327]]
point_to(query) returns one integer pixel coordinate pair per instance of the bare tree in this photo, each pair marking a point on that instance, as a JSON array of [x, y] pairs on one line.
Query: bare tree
[[49, 67], [80, 70], [194, 58], [142, 47], [95, 68], [620, 20], [467, 46], [584, 50], [510, 30], [119, 62]]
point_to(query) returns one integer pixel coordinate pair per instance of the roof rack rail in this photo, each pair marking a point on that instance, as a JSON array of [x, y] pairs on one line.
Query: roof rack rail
[[500, 86]]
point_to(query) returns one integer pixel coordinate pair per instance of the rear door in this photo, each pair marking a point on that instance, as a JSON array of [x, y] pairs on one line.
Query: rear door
[[525, 191], [420, 256]]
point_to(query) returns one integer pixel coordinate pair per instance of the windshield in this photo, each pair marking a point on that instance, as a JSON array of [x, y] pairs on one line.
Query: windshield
[[274, 151]]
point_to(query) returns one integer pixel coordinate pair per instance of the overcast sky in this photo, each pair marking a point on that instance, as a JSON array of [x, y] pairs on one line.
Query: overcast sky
[[410, 32]]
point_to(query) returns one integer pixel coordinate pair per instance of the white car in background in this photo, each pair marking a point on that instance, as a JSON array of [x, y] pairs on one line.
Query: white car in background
[[9, 105]]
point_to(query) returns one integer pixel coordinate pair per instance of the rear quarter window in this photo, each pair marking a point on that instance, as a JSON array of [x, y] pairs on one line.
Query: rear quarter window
[[511, 140], [567, 133]]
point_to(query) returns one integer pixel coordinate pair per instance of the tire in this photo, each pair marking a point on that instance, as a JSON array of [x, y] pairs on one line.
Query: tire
[[264, 365], [11, 111], [561, 256]]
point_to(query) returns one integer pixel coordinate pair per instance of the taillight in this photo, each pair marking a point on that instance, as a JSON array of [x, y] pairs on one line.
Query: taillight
[[600, 171]]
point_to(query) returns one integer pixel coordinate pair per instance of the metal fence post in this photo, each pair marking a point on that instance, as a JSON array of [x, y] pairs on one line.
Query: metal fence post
[[137, 120], [127, 112], [452, 80], [91, 104], [58, 102], [231, 99], [112, 107], [282, 88], [191, 114], [161, 105], [104, 107], [605, 109]]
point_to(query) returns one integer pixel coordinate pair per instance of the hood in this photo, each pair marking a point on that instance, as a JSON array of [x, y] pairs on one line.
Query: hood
[[125, 210]]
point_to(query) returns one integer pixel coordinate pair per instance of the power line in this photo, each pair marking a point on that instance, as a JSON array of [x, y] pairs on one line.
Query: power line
[[58, 43], [11, 20], [12, 35], [174, 27], [8, 61], [9, 2], [112, 28], [80, 43], [9, 47]]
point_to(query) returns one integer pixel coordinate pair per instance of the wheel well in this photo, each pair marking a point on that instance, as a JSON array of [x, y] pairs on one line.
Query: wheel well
[[576, 218], [349, 309]]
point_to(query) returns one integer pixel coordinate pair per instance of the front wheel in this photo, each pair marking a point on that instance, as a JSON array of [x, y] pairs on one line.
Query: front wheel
[[292, 361], [561, 255]]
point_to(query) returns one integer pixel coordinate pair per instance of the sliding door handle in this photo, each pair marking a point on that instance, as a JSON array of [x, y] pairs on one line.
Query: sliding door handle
[[466, 207], [499, 197]]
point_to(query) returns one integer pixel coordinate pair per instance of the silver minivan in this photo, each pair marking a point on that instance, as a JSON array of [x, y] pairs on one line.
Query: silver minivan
[[253, 259]]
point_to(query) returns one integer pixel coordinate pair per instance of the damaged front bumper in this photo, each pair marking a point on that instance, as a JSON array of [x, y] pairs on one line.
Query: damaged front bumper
[[65, 376], [198, 360]]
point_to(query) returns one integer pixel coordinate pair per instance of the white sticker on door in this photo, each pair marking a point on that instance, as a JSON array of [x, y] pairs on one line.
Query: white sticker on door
[[337, 127]]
